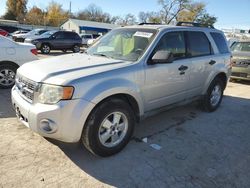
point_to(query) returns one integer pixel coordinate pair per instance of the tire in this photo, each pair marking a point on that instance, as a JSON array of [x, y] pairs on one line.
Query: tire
[[213, 97], [104, 135], [45, 48], [7, 76], [76, 48]]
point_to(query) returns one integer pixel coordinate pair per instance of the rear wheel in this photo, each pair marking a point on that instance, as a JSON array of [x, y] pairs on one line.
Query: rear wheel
[[7, 76], [211, 101], [108, 128], [76, 48], [45, 49]]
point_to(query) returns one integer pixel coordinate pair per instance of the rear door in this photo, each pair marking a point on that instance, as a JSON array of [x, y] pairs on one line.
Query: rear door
[[59, 41], [200, 53]]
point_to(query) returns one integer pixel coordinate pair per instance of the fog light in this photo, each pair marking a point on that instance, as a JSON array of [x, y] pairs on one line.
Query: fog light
[[48, 126]]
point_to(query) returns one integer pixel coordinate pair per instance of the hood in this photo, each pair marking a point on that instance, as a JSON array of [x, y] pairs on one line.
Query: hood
[[241, 55], [66, 68]]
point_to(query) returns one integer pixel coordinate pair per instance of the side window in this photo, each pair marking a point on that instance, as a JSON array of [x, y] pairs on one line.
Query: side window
[[198, 44], [220, 42], [60, 35], [173, 42]]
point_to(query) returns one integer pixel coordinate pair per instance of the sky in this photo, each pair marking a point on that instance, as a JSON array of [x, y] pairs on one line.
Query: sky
[[230, 13]]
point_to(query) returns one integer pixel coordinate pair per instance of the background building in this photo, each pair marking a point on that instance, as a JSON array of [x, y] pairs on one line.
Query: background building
[[88, 27]]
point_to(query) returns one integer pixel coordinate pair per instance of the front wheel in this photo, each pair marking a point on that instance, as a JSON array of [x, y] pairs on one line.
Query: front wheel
[[45, 49], [108, 128], [213, 97], [7, 76]]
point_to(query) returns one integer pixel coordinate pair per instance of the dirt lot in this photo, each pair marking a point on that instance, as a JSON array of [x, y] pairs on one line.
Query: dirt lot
[[198, 149]]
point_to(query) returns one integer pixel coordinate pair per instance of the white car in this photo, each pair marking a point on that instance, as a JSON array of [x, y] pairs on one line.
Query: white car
[[87, 37], [12, 56], [22, 36]]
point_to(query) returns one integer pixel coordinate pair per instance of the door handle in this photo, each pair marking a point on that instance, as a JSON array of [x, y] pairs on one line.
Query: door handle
[[212, 62], [183, 68]]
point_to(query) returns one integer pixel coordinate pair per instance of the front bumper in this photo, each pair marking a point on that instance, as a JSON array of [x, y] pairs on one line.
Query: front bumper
[[67, 116], [242, 73]]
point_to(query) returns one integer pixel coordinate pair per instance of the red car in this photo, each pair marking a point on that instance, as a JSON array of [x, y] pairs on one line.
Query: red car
[[3, 32]]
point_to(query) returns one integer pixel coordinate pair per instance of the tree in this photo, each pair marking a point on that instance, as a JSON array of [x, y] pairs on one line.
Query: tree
[[128, 19], [150, 17], [95, 13], [35, 16], [55, 14], [16, 9], [191, 12], [171, 8], [207, 19]]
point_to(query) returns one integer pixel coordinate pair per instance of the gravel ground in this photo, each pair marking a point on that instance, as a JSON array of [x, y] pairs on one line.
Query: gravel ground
[[198, 149]]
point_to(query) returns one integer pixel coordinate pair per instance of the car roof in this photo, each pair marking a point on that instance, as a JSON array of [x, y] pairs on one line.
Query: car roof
[[166, 27]]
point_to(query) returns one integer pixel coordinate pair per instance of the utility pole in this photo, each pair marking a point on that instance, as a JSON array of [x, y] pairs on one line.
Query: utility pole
[[70, 9]]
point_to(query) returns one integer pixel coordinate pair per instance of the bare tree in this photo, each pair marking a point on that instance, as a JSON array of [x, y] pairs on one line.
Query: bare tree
[[171, 9]]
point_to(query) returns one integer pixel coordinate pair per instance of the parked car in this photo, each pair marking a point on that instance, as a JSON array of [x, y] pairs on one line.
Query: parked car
[[21, 37], [57, 40], [12, 56], [3, 32], [88, 37], [241, 60], [92, 41], [9, 28], [19, 32], [130, 73]]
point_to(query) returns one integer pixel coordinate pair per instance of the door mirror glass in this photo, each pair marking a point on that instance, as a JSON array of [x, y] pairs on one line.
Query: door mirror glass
[[162, 56]]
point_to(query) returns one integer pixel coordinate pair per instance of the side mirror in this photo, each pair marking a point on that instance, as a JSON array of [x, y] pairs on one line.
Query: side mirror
[[162, 57]]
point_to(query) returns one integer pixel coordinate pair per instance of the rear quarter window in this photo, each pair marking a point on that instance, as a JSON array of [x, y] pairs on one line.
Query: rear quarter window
[[220, 42]]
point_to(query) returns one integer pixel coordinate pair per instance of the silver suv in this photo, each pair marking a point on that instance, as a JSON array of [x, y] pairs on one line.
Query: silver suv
[[96, 97]]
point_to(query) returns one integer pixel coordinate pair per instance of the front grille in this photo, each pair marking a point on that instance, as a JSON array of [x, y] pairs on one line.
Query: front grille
[[26, 87], [241, 63]]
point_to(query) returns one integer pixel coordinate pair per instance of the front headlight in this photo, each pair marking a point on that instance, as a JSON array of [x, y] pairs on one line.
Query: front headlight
[[52, 94]]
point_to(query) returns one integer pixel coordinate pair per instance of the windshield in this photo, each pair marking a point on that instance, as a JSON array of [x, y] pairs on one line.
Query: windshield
[[48, 33], [33, 32], [124, 44], [241, 46]]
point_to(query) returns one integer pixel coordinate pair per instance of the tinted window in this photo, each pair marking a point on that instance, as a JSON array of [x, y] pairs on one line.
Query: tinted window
[[220, 42], [60, 35], [41, 32], [173, 42], [198, 44]]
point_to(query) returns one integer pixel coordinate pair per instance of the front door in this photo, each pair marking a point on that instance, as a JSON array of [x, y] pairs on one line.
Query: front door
[[167, 83]]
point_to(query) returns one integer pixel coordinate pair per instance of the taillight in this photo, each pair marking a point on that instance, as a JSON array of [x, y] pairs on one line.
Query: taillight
[[34, 51]]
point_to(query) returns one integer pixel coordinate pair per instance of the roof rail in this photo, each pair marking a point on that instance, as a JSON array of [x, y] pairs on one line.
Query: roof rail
[[145, 23], [194, 24]]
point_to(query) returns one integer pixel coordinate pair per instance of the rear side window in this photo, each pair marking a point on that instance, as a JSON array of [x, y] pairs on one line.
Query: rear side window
[[220, 42], [198, 44], [60, 35], [71, 35]]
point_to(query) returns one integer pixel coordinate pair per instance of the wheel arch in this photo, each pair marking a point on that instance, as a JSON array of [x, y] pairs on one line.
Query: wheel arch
[[220, 75], [9, 63]]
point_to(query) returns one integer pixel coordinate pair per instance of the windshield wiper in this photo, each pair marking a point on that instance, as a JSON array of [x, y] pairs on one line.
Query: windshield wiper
[[100, 54]]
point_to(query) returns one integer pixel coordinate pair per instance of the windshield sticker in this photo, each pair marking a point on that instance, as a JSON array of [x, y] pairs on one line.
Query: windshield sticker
[[143, 34]]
